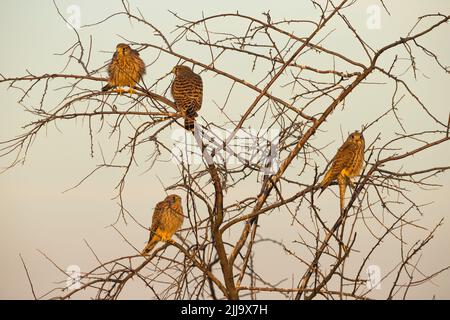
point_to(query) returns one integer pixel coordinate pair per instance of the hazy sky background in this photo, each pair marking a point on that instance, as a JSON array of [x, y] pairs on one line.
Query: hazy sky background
[[35, 214]]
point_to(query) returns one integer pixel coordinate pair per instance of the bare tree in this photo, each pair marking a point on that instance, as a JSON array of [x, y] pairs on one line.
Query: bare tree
[[213, 256]]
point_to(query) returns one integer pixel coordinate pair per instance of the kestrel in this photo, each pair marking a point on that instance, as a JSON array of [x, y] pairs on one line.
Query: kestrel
[[347, 163], [167, 219], [126, 69], [187, 91]]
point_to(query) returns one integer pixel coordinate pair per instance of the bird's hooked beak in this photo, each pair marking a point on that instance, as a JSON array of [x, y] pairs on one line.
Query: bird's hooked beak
[[174, 70]]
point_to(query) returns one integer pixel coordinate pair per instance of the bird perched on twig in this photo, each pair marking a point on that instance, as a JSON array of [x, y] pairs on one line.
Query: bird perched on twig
[[347, 163], [126, 69], [187, 91], [167, 219]]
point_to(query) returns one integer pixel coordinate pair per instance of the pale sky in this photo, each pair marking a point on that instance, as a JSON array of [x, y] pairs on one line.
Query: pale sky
[[35, 214]]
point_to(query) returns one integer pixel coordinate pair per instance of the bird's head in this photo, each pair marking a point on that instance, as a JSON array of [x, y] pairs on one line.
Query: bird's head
[[177, 70], [356, 137], [173, 199], [123, 49]]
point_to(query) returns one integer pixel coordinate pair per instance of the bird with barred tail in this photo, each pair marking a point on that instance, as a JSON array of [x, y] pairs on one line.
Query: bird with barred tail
[[347, 163], [125, 69], [167, 219], [187, 91]]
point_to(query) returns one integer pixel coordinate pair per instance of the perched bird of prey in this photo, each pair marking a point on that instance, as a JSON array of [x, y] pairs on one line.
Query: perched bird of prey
[[187, 91], [347, 163], [126, 69], [167, 219]]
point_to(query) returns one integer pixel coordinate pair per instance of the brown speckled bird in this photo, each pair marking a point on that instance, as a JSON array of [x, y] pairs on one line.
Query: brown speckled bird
[[167, 219], [126, 69], [347, 164], [187, 91]]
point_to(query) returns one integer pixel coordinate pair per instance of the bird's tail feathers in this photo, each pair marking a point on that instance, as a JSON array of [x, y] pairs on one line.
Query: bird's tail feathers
[[189, 120], [150, 245], [323, 185], [107, 87], [189, 124]]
